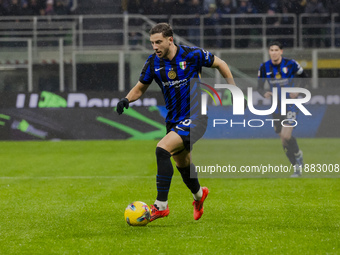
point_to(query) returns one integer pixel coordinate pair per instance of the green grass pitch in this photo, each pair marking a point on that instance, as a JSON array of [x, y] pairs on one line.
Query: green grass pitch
[[69, 197]]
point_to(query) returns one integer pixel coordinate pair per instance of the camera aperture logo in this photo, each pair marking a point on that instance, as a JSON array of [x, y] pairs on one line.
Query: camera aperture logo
[[239, 106], [208, 92]]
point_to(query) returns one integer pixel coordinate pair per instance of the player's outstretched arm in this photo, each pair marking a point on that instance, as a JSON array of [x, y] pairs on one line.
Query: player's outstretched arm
[[135, 93], [224, 70]]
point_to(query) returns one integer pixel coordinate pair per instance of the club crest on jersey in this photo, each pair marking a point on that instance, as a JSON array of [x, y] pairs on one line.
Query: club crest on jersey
[[172, 74], [183, 65], [285, 70]]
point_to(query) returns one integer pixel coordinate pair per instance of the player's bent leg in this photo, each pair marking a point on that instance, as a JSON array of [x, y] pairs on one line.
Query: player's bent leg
[[190, 178], [292, 150], [165, 172], [170, 143], [286, 136], [198, 205], [156, 213], [188, 172], [182, 158]]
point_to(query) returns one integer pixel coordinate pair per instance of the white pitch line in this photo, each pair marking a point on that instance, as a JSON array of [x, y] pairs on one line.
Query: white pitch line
[[71, 177]]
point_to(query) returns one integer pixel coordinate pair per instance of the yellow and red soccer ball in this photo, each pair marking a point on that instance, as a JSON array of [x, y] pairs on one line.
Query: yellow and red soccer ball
[[137, 214]]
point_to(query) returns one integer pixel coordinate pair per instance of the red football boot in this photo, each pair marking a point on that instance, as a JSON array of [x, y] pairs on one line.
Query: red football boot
[[155, 213], [198, 205]]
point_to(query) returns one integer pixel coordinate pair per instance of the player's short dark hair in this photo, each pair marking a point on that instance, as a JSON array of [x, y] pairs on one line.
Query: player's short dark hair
[[276, 43], [163, 28]]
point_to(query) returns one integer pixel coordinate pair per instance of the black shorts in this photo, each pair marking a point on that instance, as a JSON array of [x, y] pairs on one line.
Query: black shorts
[[290, 118], [190, 130]]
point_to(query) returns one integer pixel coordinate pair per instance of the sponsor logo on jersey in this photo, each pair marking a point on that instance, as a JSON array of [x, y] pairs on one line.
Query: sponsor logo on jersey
[[279, 82], [177, 84], [206, 54]]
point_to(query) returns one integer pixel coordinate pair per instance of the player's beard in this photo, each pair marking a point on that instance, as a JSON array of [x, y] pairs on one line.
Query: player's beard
[[165, 53]]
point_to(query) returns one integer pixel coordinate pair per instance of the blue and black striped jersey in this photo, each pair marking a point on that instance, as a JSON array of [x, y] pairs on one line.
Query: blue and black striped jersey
[[182, 97], [278, 76]]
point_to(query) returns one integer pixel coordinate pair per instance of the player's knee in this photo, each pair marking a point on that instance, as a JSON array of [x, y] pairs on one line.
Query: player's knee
[[182, 159], [162, 153], [165, 145], [278, 129], [160, 144], [285, 138], [183, 162]]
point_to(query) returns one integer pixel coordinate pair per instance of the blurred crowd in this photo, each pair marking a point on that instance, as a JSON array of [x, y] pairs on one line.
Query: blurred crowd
[[173, 7], [215, 18], [35, 7]]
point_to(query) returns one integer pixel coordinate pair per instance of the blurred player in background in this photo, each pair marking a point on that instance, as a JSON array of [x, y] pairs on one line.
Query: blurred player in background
[[279, 72], [172, 67]]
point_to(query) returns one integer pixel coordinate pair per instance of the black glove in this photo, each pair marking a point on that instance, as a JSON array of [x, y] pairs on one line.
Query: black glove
[[123, 103]]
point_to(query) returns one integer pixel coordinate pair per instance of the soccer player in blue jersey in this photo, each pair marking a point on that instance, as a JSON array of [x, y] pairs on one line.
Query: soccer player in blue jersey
[[173, 67], [280, 72]]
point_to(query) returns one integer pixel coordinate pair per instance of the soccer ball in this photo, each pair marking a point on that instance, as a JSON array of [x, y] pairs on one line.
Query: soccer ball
[[137, 214]]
